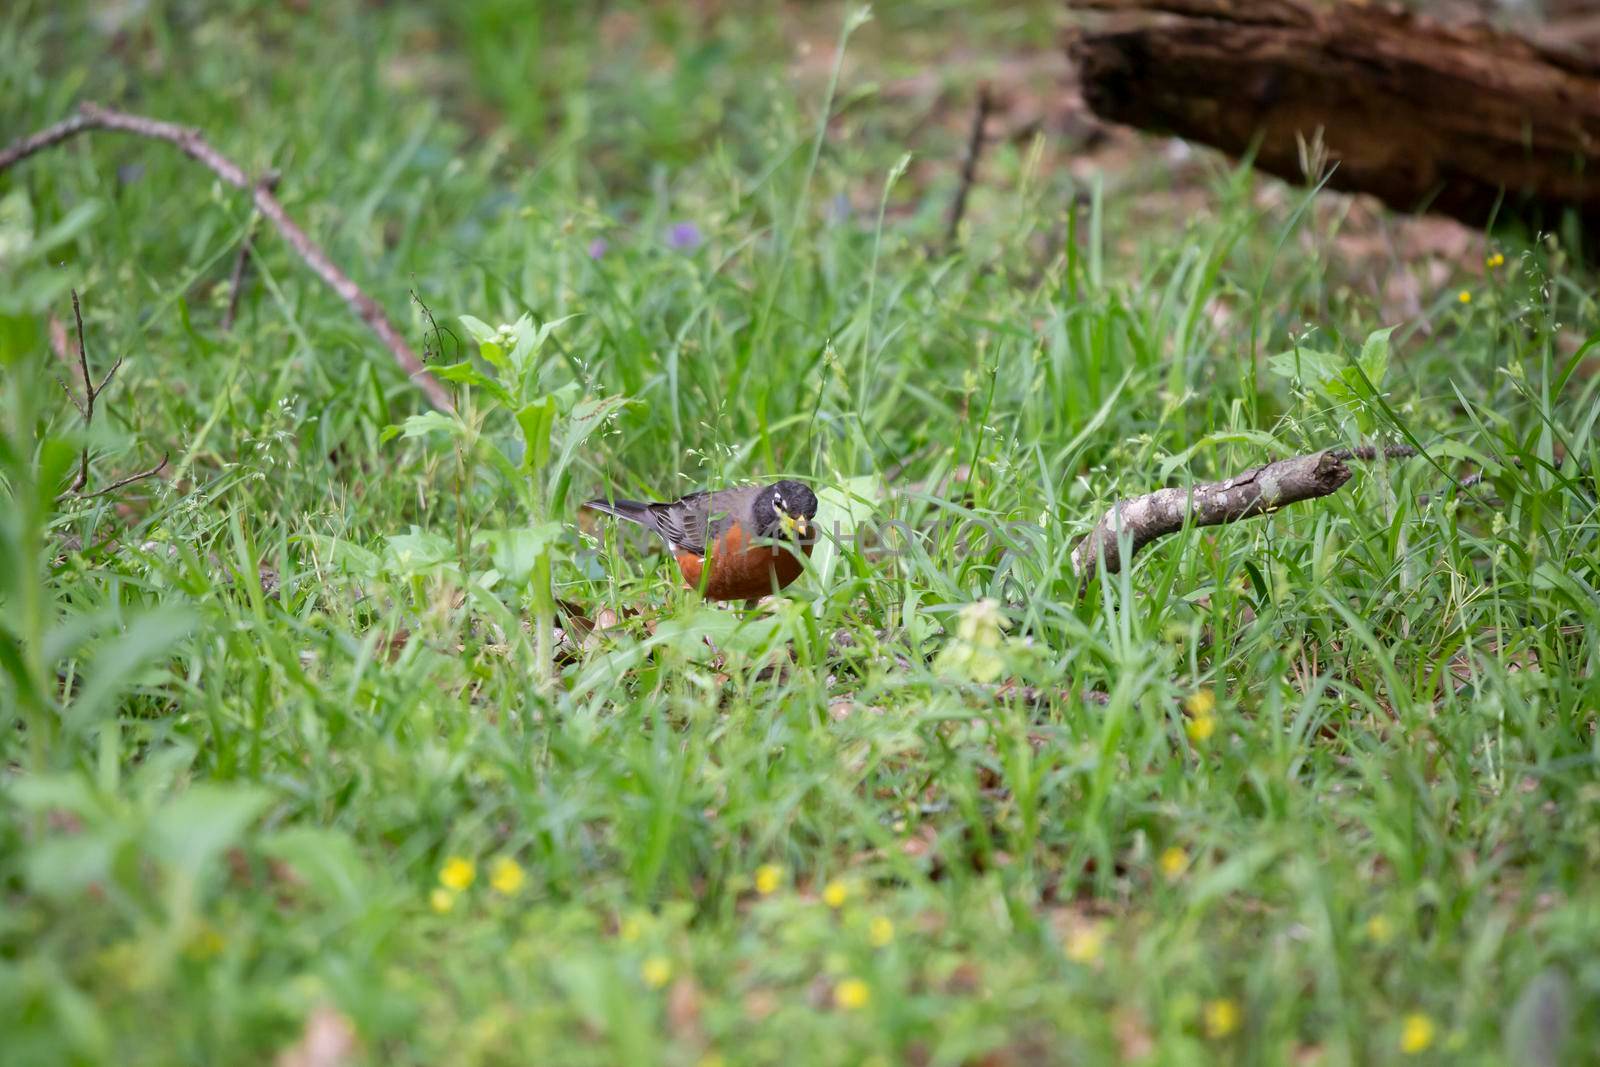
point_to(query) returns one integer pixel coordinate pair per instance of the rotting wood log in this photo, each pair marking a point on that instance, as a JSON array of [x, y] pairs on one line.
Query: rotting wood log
[[1466, 121]]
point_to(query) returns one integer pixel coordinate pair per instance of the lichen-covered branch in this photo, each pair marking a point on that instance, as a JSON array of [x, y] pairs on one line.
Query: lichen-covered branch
[[191, 143], [1257, 491]]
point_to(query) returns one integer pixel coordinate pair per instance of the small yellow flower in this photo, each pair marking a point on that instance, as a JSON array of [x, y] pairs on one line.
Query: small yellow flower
[[656, 971], [506, 876], [1416, 1033], [1380, 929], [1201, 703], [206, 943], [880, 932], [1495, 260], [1201, 727], [442, 900], [975, 650], [1173, 862], [834, 894], [712, 1059], [1221, 1018], [768, 877], [457, 873], [852, 993], [630, 930], [1464, 296], [1086, 943]]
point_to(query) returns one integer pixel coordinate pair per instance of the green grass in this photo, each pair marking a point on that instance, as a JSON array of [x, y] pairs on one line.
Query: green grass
[[248, 725]]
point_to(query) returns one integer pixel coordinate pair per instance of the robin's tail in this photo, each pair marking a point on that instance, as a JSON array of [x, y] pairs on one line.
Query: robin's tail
[[630, 510]]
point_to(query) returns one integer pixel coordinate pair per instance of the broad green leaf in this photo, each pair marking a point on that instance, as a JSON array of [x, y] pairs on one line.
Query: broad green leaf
[[14, 667], [418, 550], [120, 662], [347, 556], [516, 552], [494, 355], [566, 398], [193, 828], [1374, 358], [465, 373], [587, 416], [521, 343], [67, 864], [16, 224], [327, 860], [73, 632], [488, 340], [537, 420], [530, 341], [840, 509], [53, 792], [426, 423], [1309, 366], [481, 331], [76, 221], [688, 632], [160, 770], [57, 456]]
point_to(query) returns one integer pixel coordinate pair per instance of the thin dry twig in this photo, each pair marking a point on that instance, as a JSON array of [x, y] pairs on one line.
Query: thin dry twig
[[130, 479], [242, 260], [91, 393], [193, 144], [969, 167], [1258, 491]]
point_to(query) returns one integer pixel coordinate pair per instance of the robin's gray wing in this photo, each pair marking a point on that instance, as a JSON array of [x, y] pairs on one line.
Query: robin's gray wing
[[683, 522], [689, 523]]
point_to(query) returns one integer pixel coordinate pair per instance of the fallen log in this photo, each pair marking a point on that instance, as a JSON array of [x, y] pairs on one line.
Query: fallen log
[[1258, 491], [1461, 120]]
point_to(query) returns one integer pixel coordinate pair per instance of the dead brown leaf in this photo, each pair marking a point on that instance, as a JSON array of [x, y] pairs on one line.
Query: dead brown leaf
[[1133, 1035], [329, 1040], [683, 1009]]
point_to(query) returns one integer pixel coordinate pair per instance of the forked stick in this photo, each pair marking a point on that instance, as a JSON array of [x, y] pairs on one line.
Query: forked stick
[[191, 143], [91, 393], [1258, 491]]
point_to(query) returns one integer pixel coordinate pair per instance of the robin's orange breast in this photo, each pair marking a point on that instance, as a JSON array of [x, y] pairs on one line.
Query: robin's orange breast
[[741, 570]]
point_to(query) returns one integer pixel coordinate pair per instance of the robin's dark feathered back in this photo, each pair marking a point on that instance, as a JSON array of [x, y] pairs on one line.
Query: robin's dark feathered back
[[687, 524], [734, 544]]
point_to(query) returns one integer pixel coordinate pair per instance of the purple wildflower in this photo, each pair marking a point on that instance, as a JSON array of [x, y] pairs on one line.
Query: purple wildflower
[[683, 237], [597, 247]]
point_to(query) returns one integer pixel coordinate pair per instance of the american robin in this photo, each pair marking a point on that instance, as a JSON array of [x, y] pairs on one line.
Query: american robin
[[728, 543]]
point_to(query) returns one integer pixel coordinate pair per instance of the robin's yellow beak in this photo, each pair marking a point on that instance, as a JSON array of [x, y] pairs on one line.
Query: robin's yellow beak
[[794, 525]]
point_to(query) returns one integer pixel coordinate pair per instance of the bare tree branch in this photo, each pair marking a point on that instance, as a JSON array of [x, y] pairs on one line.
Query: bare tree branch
[[191, 143], [87, 408], [91, 393], [969, 167], [109, 374], [242, 260], [1258, 491], [65, 388], [45, 138], [130, 479]]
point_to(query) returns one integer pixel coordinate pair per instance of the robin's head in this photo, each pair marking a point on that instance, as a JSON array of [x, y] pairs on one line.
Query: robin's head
[[785, 509]]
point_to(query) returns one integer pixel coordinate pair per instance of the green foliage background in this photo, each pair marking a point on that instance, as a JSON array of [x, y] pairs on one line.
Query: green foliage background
[[251, 708]]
